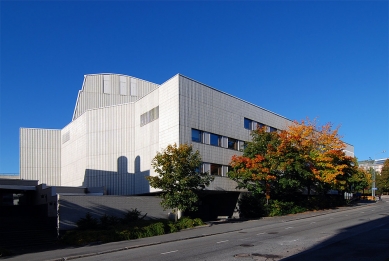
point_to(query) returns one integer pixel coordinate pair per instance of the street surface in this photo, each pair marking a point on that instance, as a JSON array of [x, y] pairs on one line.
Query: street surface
[[355, 234], [349, 233]]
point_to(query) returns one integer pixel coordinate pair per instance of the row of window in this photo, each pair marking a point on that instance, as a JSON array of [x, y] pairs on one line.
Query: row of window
[[253, 125], [215, 169], [122, 85], [216, 140], [149, 116]]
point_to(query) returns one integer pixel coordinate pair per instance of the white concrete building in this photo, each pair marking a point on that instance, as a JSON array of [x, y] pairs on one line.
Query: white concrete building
[[120, 122], [377, 164]]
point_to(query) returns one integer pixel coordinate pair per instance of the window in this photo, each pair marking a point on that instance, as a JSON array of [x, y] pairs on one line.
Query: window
[[271, 129], [248, 123], [196, 135], [215, 140], [107, 84], [242, 146], [149, 116], [232, 144], [133, 87], [123, 85], [216, 169]]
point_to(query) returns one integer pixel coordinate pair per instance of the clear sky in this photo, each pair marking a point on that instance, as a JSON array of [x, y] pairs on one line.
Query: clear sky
[[318, 59]]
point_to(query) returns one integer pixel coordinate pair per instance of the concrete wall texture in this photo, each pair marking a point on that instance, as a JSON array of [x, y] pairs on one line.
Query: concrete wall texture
[[121, 122], [73, 208]]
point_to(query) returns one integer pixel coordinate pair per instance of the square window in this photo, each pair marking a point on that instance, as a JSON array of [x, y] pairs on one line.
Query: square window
[[247, 123], [216, 169], [196, 135], [271, 129], [215, 140], [232, 144]]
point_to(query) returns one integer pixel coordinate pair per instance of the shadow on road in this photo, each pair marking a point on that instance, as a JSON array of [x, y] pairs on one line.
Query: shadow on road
[[368, 241]]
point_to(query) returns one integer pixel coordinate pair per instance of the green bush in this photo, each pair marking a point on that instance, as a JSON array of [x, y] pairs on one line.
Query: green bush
[[198, 222], [5, 252], [132, 216], [252, 206], [280, 208], [185, 223], [133, 230], [88, 222]]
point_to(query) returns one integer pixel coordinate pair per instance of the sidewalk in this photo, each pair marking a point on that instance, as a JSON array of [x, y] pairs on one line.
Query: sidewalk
[[212, 228]]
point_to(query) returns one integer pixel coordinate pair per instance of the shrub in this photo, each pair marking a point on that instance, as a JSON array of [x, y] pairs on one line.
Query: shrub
[[4, 252], [279, 208], [88, 222], [252, 206], [155, 229], [198, 222], [185, 223], [133, 230], [109, 221], [133, 215]]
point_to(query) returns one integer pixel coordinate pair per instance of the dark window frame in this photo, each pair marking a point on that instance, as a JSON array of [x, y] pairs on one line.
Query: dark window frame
[[247, 124], [232, 144], [212, 138], [200, 135], [216, 168]]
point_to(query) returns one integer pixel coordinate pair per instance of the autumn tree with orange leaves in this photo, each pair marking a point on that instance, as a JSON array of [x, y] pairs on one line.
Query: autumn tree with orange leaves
[[304, 156]]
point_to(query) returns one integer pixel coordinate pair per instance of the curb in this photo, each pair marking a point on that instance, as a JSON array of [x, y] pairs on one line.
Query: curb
[[137, 246]]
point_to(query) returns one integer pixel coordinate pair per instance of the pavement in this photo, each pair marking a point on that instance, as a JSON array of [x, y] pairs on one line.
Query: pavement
[[58, 252]]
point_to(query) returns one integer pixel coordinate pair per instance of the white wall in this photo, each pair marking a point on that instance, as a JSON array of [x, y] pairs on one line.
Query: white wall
[[92, 94], [210, 110], [108, 147], [40, 155]]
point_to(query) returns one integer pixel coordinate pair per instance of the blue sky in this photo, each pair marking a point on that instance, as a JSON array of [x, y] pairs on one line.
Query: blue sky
[[318, 59]]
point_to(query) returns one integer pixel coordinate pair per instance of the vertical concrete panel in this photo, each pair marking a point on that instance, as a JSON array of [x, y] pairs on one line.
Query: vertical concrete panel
[[39, 160], [169, 112]]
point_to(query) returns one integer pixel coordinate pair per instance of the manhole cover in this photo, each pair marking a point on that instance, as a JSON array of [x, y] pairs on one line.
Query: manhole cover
[[257, 255], [242, 255], [272, 233], [246, 245], [265, 255]]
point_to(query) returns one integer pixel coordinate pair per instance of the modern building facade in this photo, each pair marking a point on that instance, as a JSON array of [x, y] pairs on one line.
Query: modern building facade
[[374, 164], [120, 123]]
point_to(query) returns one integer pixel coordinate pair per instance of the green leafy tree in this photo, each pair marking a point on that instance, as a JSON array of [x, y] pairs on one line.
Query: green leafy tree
[[383, 178], [360, 178], [255, 170], [302, 156], [179, 177]]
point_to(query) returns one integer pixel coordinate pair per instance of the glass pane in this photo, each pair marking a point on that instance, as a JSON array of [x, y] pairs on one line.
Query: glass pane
[[215, 139], [232, 144], [196, 135], [216, 169], [247, 123]]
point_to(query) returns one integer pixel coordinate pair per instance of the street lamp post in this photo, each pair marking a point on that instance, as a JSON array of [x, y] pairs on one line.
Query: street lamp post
[[373, 173]]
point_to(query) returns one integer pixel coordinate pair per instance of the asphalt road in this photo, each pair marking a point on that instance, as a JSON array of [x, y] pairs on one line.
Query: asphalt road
[[353, 234], [349, 233]]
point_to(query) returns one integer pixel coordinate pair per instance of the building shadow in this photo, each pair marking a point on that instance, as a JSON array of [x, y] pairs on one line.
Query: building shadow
[[120, 182], [368, 241], [73, 208]]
